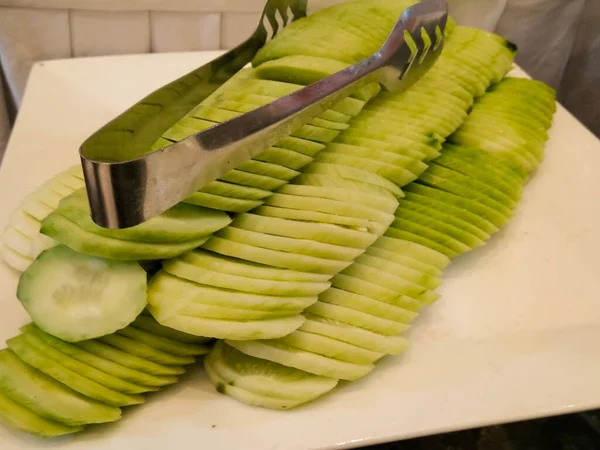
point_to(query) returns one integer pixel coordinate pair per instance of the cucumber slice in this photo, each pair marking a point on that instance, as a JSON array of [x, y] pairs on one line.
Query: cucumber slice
[[319, 217], [223, 264], [275, 170], [179, 224], [291, 245], [225, 189], [321, 232], [180, 292], [385, 278], [48, 398], [34, 337], [286, 355], [413, 250], [165, 373], [265, 378], [411, 236], [353, 173], [164, 344], [76, 297], [145, 350], [398, 175], [221, 203], [399, 270], [385, 203], [252, 179], [183, 269], [147, 323], [329, 206], [391, 345], [203, 311], [275, 258], [226, 329], [381, 293], [17, 416], [25, 349], [138, 379], [18, 242], [72, 235], [404, 261], [357, 318], [332, 348], [14, 259], [367, 305]]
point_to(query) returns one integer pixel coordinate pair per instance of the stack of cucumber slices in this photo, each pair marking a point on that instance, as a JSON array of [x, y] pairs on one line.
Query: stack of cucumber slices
[[297, 269]]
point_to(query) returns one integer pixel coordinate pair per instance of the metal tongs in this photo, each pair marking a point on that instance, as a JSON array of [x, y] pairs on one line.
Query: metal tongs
[[126, 185]]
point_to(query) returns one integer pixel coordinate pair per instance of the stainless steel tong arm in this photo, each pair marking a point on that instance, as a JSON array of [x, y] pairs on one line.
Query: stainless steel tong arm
[[124, 194]]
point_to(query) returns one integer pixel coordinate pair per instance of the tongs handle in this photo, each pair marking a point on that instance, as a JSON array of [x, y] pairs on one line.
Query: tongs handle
[[124, 194]]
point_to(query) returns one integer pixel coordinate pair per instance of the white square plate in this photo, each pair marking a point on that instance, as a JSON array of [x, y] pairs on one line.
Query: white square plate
[[515, 335]]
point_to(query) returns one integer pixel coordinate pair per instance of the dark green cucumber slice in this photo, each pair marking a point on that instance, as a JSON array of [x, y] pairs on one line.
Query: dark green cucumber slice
[[48, 398], [67, 232], [164, 344], [180, 223], [25, 348], [76, 297], [19, 417]]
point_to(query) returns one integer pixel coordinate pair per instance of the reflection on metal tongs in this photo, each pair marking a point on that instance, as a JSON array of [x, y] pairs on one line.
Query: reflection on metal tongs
[[126, 185]]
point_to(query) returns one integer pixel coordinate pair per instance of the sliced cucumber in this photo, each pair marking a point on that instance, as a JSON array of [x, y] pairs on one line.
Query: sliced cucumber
[[72, 235], [77, 297], [48, 398]]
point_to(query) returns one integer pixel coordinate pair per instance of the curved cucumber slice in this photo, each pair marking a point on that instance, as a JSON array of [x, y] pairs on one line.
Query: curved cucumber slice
[[413, 250], [72, 235], [326, 205], [290, 245], [404, 261], [145, 350], [318, 217], [367, 305], [203, 311], [391, 345], [399, 270], [17, 416], [273, 169], [385, 278], [310, 362], [181, 223], [383, 203], [76, 297], [275, 258], [333, 348], [266, 378], [164, 344], [200, 275], [357, 318], [225, 189], [233, 266], [321, 232], [147, 323], [179, 292], [165, 373], [244, 395], [221, 203], [253, 180], [44, 345], [226, 329], [48, 398], [25, 349]]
